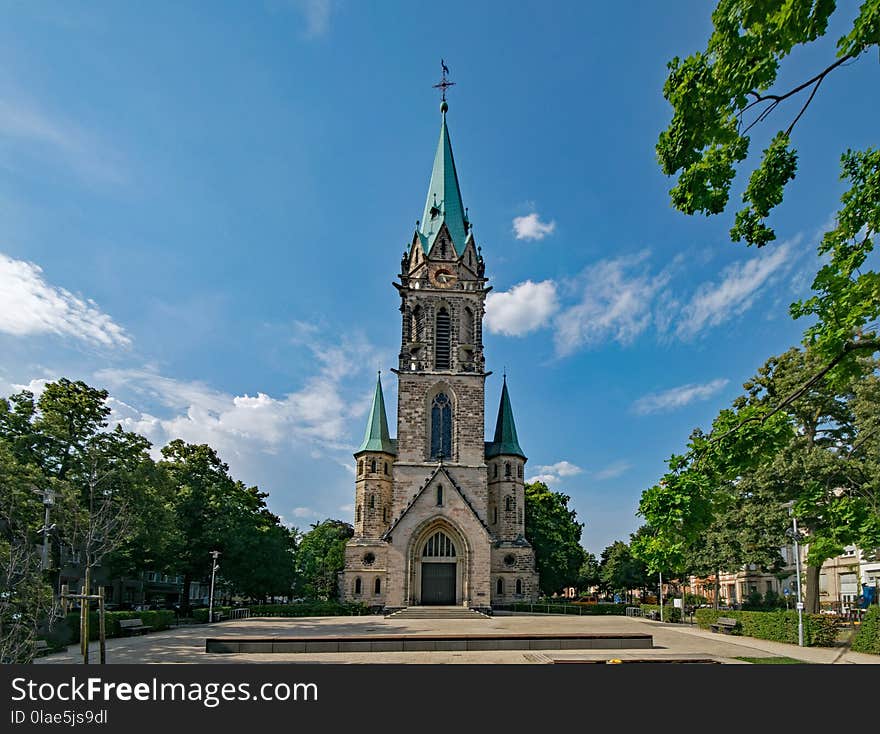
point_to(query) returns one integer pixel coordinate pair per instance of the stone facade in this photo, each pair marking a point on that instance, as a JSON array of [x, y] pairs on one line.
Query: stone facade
[[440, 513]]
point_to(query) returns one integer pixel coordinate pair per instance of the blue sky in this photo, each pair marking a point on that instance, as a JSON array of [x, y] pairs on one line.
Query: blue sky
[[202, 212]]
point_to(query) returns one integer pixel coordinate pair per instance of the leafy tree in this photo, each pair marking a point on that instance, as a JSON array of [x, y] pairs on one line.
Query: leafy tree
[[621, 570], [320, 557], [590, 572], [555, 534], [721, 94]]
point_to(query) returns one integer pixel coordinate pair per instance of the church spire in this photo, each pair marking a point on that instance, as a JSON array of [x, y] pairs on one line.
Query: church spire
[[443, 204], [376, 437], [506, 442]]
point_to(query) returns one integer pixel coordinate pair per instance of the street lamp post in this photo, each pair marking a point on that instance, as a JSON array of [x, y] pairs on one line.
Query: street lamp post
[[797, 571], [48, 500], [214, 568]]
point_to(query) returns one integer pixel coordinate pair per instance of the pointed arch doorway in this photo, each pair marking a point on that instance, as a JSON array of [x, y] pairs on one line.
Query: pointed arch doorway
[[439, 570]]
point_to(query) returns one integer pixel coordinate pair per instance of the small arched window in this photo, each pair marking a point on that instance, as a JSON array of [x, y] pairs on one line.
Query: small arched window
[[494, 515], [508, 503], [372, 501], [377, 586], [441, 427], [519, 586], [499, 586], [495, 470], [506, 468], [386, 468], [442, 340], [519, 470], [384, 514], [439, 495], [357, 585], [373, 466]]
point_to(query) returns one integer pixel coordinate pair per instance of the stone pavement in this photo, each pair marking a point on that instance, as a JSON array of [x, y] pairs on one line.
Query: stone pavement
[[672, 642]]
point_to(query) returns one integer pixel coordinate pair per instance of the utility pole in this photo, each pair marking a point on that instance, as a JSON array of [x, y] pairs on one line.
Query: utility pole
[[797, 567], [48, 497], [214, 568]]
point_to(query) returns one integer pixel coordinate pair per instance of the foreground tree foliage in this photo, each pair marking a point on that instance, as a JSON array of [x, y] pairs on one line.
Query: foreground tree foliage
[[555, 534], [320, 556], [722, 94]]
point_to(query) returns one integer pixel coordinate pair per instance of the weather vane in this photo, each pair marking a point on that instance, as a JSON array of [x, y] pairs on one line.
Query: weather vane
[[444, 82]]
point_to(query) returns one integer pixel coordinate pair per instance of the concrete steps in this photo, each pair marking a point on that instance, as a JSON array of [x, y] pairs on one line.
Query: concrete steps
[[436, 613]]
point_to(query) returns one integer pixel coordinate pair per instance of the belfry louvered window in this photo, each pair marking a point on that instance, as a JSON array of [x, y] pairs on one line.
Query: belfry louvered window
[[441, 341], [439, 545], [417, 325], [441, 427]]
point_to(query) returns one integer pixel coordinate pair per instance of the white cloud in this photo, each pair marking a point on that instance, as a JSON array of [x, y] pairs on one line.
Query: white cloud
[[316, 14], [530, 227], [562, 468], [304, 512], [33, 130], [612, 471], [616, 300], [548, 479], [524, 308], [677, 397], [29, 305], [741, 283]]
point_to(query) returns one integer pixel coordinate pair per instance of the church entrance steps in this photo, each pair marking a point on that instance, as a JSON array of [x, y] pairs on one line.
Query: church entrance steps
[[436, 612], [429, 642]]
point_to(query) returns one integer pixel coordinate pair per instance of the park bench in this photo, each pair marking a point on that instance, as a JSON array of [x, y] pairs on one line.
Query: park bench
[[133, 626], [724, 624], [41, 647]]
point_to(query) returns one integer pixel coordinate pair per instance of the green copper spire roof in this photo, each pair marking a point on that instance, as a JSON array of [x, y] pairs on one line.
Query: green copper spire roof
[[506, 443], [376, 438], [443, 204]]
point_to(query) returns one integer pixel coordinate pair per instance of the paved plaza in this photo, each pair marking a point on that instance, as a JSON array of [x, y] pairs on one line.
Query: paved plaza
[[677, 642]]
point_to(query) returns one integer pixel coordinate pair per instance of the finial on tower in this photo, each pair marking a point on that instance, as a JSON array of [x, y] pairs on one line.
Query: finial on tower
[[443, 85]]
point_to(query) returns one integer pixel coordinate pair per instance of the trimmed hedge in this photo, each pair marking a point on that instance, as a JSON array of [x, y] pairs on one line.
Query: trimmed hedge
[[157, 619], [577, 609], [309, 609], [670, 613], [820, 630], [867, 638]]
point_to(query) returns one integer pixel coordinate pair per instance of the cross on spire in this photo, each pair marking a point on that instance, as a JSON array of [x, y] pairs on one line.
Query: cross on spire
[[444, 83]]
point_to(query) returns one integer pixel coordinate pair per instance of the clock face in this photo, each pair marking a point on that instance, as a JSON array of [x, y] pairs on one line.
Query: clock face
[[443, 278]]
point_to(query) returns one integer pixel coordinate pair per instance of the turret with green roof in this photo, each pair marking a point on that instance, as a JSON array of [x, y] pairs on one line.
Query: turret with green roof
[[376, 437], [506, 442]]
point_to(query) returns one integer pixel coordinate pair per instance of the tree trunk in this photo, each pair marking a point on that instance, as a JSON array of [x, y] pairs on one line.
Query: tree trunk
[[717, 587], [184, 595], [811, 605]]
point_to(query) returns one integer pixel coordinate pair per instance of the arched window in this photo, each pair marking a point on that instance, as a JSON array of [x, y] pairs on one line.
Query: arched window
[[373, 465], [439, 495], [386, 468], [495, 470], [441, 427], [384, 514], [417, 324], [506, 468], [441, 340], [357, 585], [519, 586], [467, 326], [494, 515], [439, 545], [519, 470], [499, 586], [372, 501], [377, 587], [508, 503]]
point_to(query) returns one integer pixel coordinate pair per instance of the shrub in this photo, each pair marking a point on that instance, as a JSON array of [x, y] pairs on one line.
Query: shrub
[[820, 630], [670, 613], [585, 610], [308, 609], [867, 639], [157, 619]]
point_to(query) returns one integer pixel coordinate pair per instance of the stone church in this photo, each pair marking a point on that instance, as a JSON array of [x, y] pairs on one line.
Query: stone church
[[439, 512]]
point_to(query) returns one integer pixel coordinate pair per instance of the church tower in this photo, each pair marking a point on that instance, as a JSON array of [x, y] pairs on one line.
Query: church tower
[[439, 512]]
